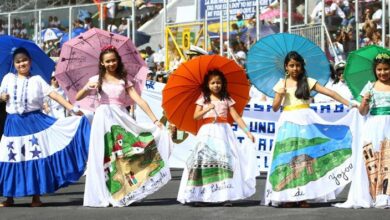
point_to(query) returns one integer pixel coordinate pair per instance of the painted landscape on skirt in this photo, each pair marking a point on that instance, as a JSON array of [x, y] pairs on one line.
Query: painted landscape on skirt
[[129, 161], [306, 153], [212, 163]]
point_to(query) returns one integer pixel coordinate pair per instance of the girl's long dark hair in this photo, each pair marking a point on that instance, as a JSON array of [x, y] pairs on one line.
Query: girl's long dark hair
[[303, 91], [380, 58], [120, 70], [224, 94]]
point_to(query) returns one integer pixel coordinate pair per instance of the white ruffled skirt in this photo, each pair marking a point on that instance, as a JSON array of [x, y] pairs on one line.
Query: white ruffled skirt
[[126, 162], [219, 168]]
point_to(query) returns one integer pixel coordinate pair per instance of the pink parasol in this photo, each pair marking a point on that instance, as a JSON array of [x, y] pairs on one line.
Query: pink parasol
[[79, 61], [275, 13]]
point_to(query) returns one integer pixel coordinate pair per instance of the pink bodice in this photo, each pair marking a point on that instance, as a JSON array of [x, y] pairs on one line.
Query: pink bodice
[[114, 93], [221, 107]]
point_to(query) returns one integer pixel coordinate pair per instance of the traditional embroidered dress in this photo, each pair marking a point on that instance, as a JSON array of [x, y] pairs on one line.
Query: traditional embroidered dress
[[126, 161], [311, 158], [220, 168], [38, 154], [370, 185]]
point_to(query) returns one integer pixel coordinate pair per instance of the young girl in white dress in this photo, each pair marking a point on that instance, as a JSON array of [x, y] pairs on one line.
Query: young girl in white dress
[[220, 169], [126, 161], [308, 151], [370, 184]]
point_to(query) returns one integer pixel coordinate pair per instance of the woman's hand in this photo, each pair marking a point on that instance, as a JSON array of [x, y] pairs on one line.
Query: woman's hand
[[91, 86], [158, 124], [282, 91], [210, 106], [4, 97], [367, 97], [76, 111]]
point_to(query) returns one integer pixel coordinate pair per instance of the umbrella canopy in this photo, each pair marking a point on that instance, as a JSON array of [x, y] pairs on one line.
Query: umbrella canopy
[[185, 86], [75, 32], [275, 13], [359, 69], [41, 64], [265, 30], [265, 63], [51, 34], [141, 38], [79, 60]]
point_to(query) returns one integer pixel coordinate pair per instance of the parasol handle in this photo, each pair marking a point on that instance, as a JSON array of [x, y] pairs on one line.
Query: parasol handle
[[370, 92], [216, 115], [285, 80], [372, 87]]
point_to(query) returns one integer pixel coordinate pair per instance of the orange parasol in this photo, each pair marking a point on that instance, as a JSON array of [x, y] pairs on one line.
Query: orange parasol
[[185, 86]]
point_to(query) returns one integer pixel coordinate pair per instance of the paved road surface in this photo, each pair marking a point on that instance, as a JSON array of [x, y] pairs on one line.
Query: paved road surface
[[67, 204]]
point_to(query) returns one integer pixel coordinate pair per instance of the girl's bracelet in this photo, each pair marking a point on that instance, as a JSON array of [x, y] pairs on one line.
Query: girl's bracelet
[[154, 122], [245, 129], [75, 109]]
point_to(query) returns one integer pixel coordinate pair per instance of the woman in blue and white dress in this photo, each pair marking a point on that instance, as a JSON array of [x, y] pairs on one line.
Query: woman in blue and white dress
[[38, 154]]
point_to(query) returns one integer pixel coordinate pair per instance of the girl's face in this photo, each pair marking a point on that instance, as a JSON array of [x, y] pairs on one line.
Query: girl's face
[[215, 84], [294, 68], [54, 82], [340, 74], [110, 62], [382, 71], [22, 64]]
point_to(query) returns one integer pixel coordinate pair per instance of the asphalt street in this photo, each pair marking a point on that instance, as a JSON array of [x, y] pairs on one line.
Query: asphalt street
[[67, 204]]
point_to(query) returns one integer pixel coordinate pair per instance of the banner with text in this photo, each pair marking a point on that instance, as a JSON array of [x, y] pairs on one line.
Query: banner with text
[[215, 7], [258, 116]]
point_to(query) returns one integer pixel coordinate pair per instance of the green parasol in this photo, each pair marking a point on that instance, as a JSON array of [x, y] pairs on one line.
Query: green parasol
[[359, 69]]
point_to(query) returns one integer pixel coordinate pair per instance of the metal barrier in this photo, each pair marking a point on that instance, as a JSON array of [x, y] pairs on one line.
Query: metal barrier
[[178, 38], [311, 32], [34, 21]]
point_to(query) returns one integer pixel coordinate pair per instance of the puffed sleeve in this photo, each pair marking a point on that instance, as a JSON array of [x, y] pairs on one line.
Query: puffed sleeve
[[279, 85], [367, 88], [46, 88], [129, 84], [200, 100], [231, 102], [312, 82], [5, 82], [94, 79]]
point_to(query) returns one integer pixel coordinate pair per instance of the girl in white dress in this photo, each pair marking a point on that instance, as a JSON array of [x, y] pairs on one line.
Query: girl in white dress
[[370, 184], [308, 152], [220, 169], [126, 161]]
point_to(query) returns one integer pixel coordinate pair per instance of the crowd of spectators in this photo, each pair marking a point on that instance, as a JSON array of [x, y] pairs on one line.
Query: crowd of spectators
[[117, 15], [339, 19], [115, 19]]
